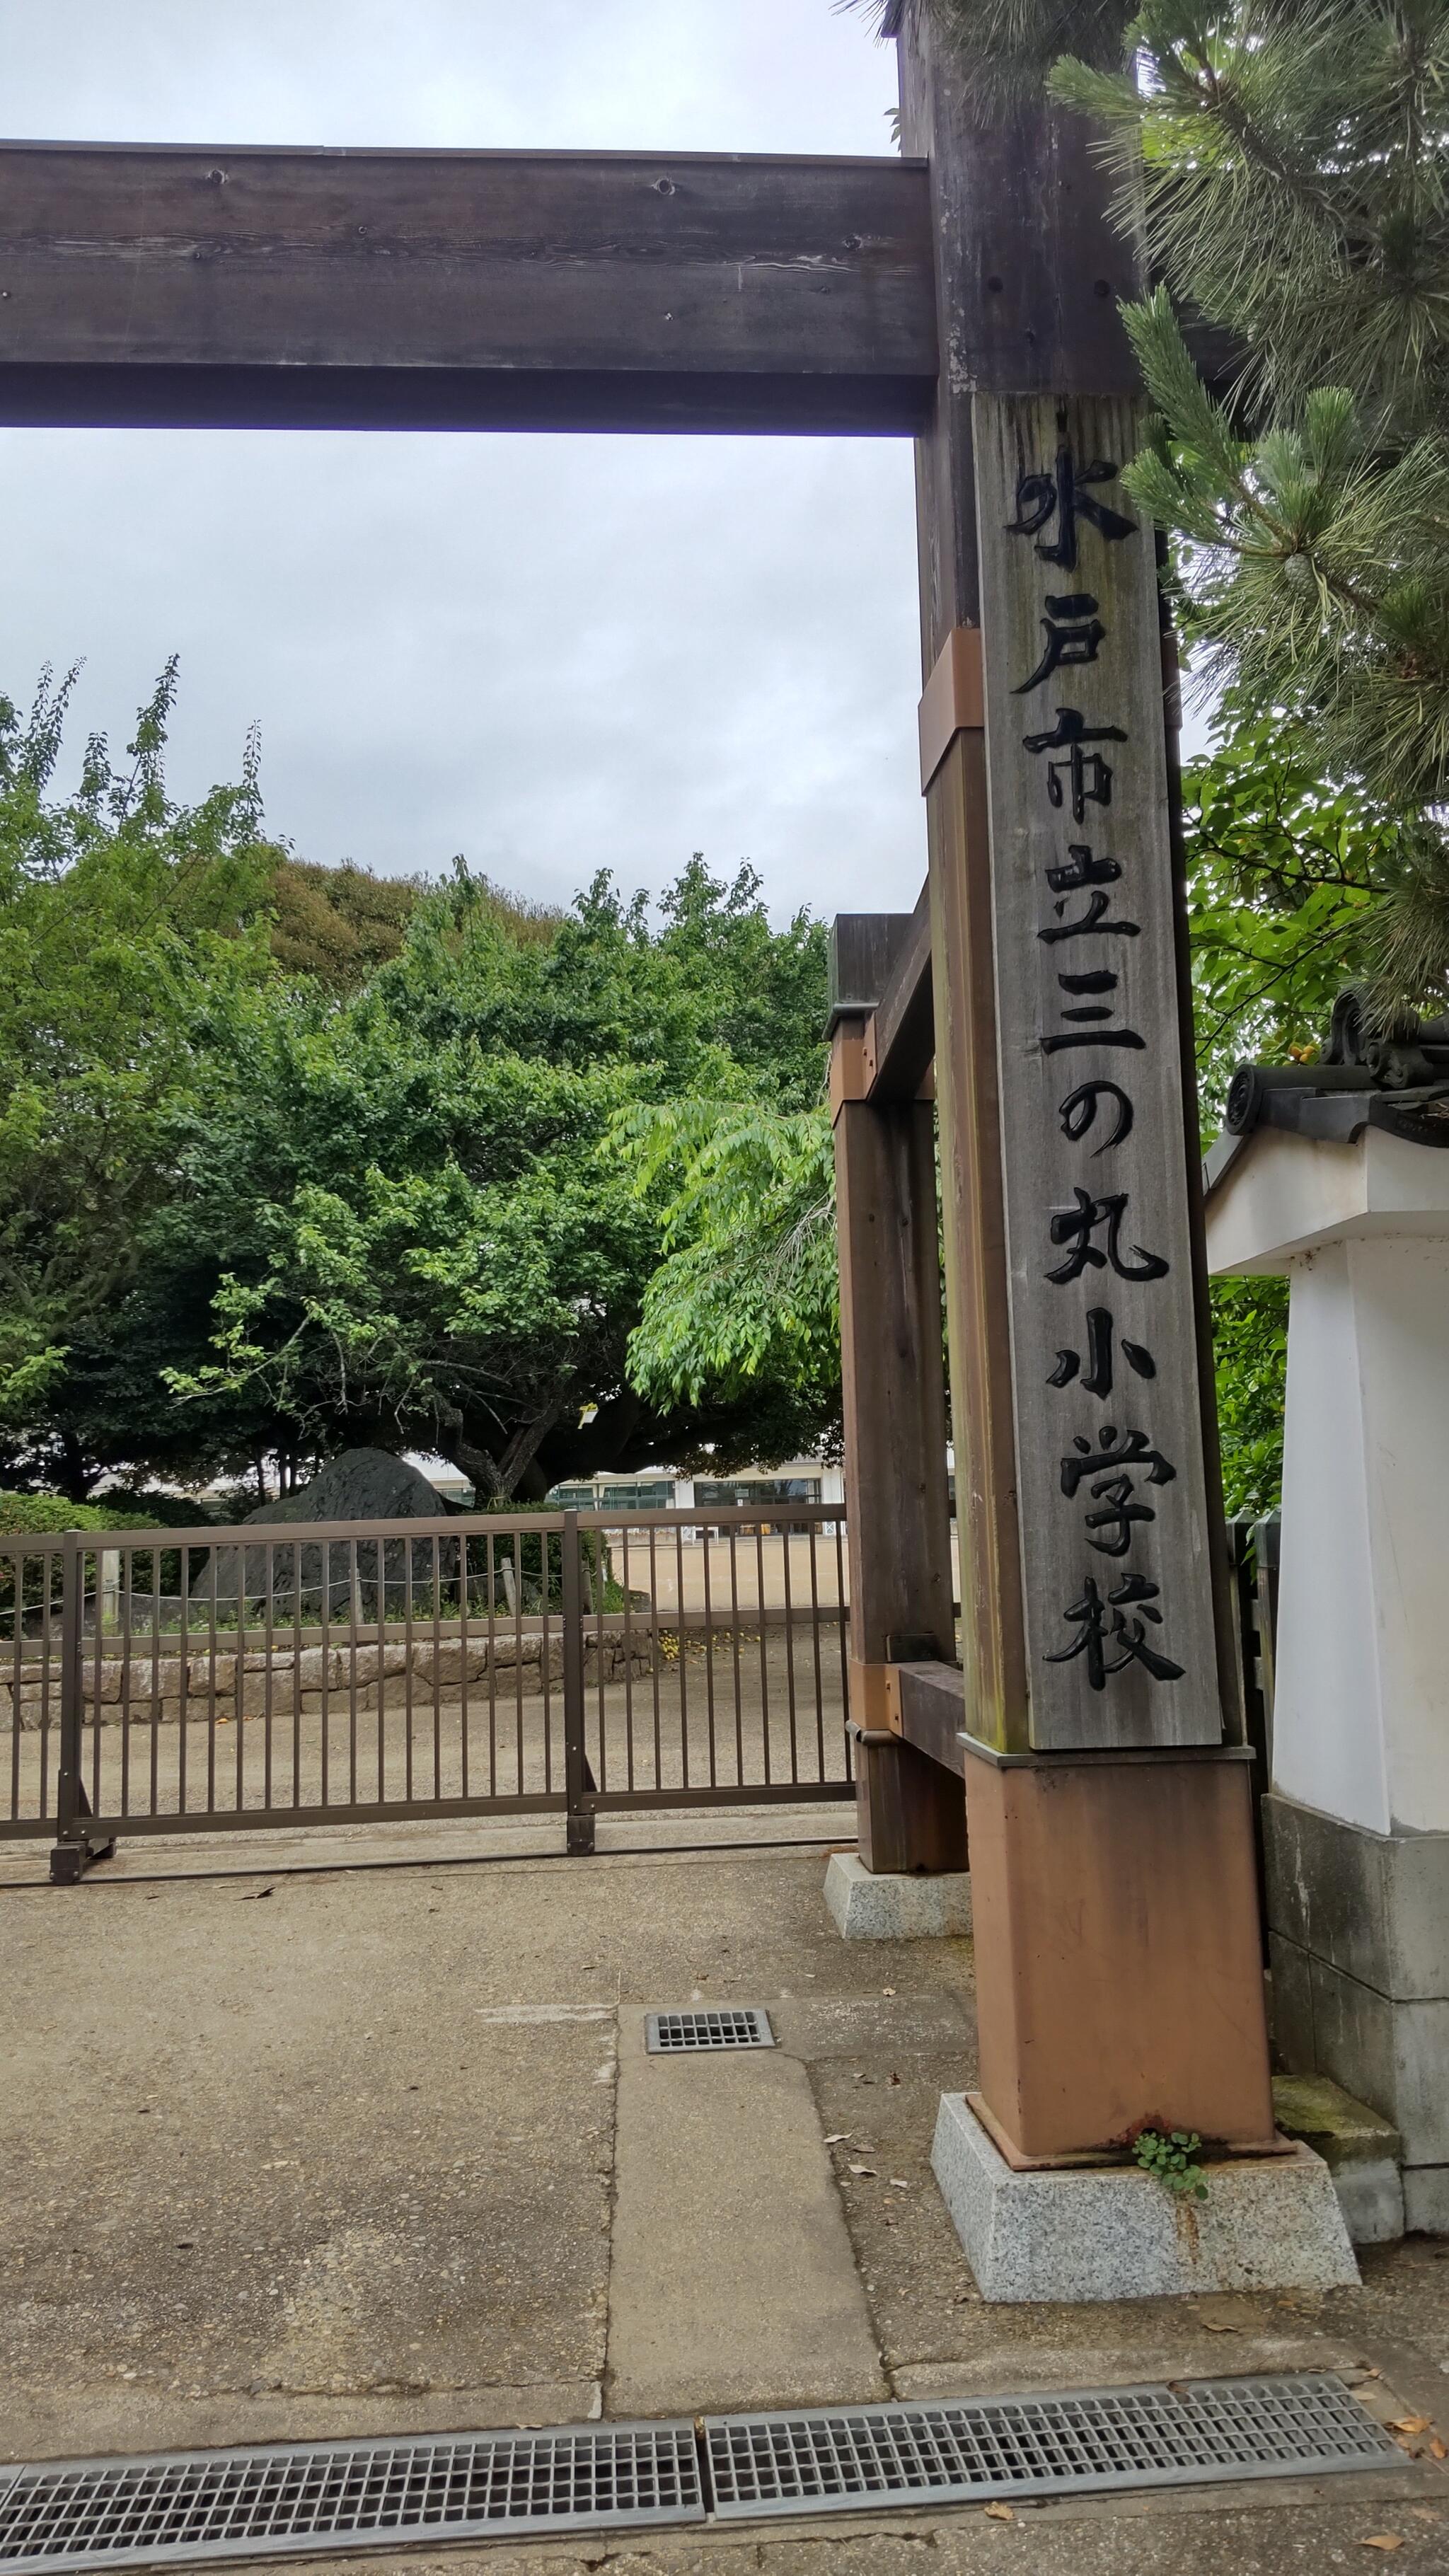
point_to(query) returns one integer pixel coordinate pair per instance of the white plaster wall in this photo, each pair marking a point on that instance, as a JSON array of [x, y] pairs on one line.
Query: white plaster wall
[[1361, 1714], [1328, 1744], [1401, 1307]]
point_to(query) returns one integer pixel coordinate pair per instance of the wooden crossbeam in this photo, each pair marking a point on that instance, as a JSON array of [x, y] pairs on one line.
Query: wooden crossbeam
[[150, 285]]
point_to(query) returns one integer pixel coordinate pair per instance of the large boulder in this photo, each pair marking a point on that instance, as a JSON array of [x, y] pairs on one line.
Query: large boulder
[[357, 1572]]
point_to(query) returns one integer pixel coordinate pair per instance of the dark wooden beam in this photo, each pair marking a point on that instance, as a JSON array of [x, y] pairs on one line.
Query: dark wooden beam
[[900, 1038], [933, 1712], [864, 947], [147, 284]]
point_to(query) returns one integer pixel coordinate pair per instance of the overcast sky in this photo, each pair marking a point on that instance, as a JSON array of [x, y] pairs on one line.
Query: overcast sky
[[548, 653]]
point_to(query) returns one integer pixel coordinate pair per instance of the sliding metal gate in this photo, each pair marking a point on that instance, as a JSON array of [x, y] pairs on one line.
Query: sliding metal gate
[[163, 1682]]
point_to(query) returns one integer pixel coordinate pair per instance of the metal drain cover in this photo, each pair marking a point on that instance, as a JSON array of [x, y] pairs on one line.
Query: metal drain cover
[[667, 2034], [971, 2449], [299, 2497]]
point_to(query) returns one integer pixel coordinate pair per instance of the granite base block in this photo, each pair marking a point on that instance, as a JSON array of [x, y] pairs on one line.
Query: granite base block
[[865, 1907], [1112, 2232]]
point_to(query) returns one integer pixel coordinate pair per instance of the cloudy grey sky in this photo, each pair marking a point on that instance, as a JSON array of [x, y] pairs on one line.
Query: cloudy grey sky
[[548, 653]]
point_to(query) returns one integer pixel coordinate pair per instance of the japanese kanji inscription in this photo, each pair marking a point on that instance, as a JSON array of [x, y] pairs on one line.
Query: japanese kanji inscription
[[1119, 1615]]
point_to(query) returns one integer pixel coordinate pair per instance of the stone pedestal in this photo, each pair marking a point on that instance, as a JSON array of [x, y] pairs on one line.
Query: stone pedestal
[[1114, 2232], [866, 1905], [1357, 1826]]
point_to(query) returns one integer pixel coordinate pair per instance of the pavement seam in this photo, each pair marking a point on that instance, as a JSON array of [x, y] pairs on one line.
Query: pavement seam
[[606, 2366]]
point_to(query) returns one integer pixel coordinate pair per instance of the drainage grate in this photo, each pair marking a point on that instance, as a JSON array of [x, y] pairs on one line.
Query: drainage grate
[[1035, 2446], [736, 2026], [344, 2495], [298, 2498]]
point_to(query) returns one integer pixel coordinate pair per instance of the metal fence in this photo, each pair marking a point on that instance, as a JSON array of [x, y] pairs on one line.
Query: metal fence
[[309, 1674]]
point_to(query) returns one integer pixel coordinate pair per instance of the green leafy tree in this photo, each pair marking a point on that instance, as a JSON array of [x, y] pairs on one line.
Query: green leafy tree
[[119, 911], [414, 1209], [1283, 170], [744, 1303], [1283, 869]]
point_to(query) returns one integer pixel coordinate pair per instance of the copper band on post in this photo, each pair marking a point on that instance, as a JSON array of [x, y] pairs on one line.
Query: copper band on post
[[954, 701]]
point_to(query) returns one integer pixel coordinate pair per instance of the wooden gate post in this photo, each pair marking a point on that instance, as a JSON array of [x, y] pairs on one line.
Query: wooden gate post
[[912, 1816], [1117, 1947]]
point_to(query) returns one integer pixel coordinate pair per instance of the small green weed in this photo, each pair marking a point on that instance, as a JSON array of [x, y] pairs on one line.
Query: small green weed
[[1172, 2159]]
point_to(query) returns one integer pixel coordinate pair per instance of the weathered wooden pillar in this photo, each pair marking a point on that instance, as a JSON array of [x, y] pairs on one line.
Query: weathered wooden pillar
[[1117, 1946], [912, 1815]]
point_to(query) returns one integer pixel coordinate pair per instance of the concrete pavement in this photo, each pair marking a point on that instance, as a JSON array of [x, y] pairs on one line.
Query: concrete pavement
[[353, 2151]]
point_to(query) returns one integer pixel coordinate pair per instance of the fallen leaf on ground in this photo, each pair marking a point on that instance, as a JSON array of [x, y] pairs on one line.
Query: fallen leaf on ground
[[1437, 2450], [1000, 2513], [1383, 2540], [1219, 2325], [837, 2137], [1409, 2424], [254, 1895], [868, 2170], [898, 2184]]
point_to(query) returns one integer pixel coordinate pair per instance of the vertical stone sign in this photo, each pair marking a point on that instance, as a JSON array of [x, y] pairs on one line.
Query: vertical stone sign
[[1120, 1640]]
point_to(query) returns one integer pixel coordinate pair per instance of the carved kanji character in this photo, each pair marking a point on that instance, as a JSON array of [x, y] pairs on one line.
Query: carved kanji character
[[1073, 633], [1100, 1370], [1090, 775], [1078, 1114], [1103, 1623], [1077, 1225], [1060, 495], [1086, 874]]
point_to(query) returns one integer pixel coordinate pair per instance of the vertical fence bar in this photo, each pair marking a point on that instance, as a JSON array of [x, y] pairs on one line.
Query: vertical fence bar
[[516, 1564], [490, 1577], [786, 1535], [47, 1667], [709, 1658], [326, 1730], [269, 1648], [67, 1861], [545, 1657], [126, 1558], [238, 1678], [17, 1618], [75, 1848], [683, 1639], [438, 1663], [598, 1587], [96, 1664], [213, 1614], [735, 1657], [464, 1543], [764, 1647], [297, 1651], [183, 1680], [157, 1684], [628, 1662], [815, 1648], [379, 1561], [654, 1651], [579, 1827]]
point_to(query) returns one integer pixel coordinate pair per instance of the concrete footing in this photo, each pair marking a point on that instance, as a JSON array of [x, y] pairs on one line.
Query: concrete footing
[[1362, 2151], [1359, 1935], [1114, 2232], [870, 1907]]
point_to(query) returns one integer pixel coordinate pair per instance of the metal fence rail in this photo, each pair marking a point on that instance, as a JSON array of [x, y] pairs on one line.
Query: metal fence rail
[[317, 1673]]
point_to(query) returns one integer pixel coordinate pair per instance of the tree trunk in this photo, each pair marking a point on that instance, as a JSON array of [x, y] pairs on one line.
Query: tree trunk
[[76, 1475]]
